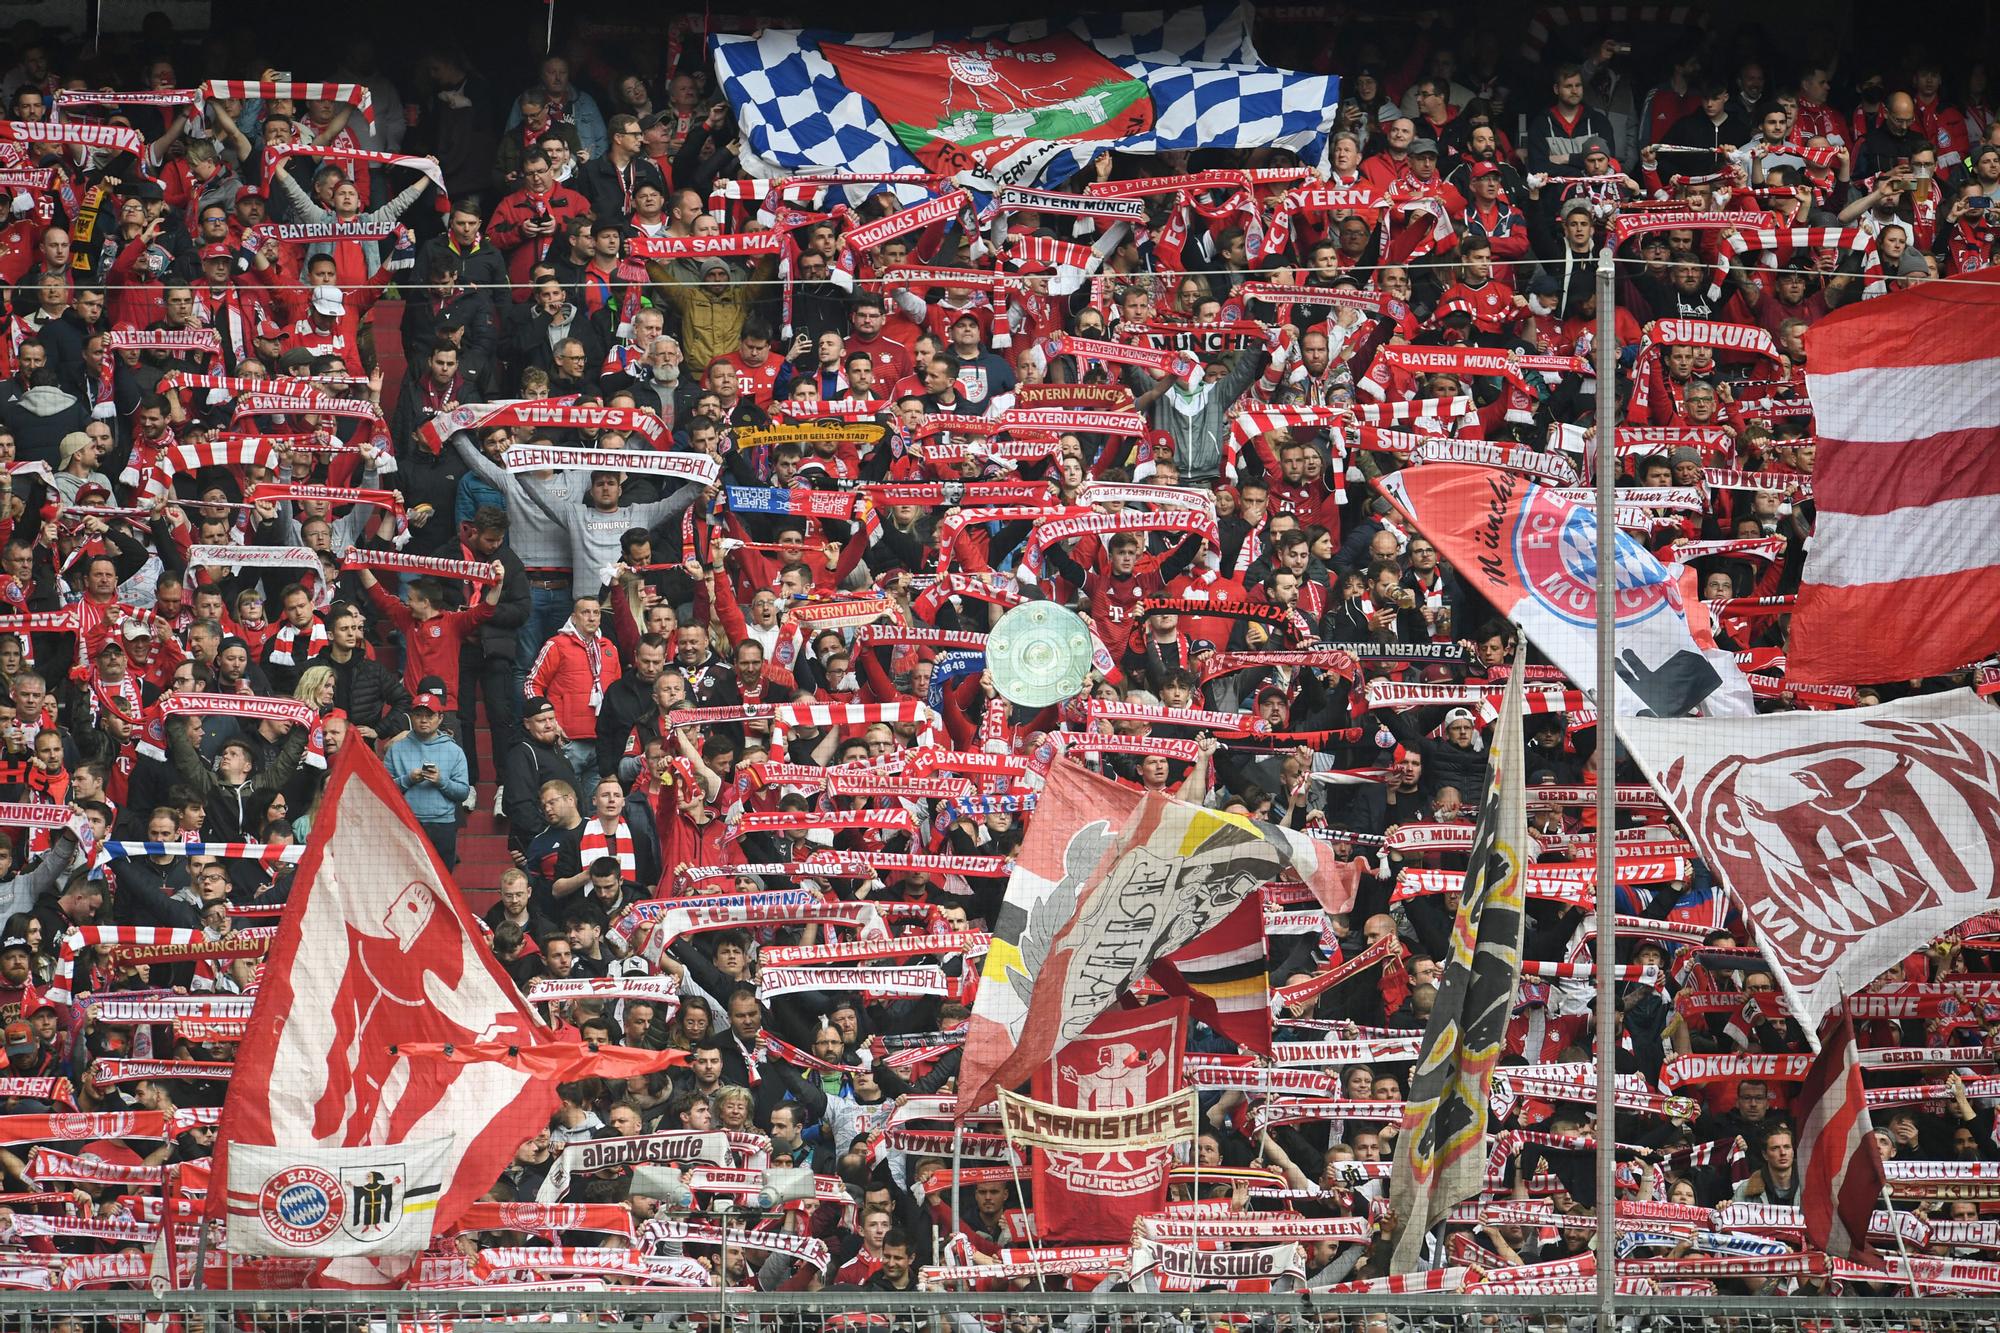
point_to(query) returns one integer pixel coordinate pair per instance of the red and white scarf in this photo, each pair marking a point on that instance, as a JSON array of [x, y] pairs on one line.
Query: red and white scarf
[[618, 843], [285, 643], [355, 95]]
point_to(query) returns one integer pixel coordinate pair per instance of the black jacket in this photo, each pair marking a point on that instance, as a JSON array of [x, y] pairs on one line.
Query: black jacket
[[523, 769], [499, 632], [597, 180], [372, 695], [484, 268], [146, 894], [626, 701], [427, 478]]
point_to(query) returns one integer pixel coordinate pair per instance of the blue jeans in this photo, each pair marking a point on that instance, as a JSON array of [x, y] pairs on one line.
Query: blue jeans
[[548, 608], [582, 756]]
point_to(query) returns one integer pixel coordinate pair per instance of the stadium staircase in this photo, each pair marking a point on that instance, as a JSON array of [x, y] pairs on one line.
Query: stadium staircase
[[482, 841]]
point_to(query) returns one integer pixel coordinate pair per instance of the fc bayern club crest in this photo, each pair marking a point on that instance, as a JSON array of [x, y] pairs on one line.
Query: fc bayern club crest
[[1555, 548], [300, 1206]]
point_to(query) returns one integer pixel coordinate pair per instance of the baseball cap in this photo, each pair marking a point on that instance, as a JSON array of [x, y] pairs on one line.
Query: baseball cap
[[430, 694], [535, 707], [132, 629], [979, 315], [15, 942], [1423, 148], [329, 301], [267, 328], [1459, 715], [216, 251], [1483, 169], [20, 1039]]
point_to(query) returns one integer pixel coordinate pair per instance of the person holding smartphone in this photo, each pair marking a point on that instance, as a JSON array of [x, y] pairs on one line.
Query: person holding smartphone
[[430, 770]]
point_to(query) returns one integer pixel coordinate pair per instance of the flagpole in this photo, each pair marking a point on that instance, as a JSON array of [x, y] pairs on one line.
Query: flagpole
[[1606, 354], [1021, 1193], [1902, 1246]]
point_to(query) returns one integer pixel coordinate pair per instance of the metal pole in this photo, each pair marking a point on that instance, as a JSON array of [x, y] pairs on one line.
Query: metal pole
[[1606, 349], [1902, 1246]]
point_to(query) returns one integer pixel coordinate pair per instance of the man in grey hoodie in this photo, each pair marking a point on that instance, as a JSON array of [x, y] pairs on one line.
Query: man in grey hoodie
[[533, 532], [41, 416], [347, 208], [1198, 417], [594, 530]]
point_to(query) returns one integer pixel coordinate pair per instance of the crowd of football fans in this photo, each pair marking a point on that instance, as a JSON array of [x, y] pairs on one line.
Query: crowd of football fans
[[537, 676]]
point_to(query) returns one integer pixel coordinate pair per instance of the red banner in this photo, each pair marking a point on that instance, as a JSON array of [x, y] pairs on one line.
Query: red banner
[[1127, 1058], [995, 111]]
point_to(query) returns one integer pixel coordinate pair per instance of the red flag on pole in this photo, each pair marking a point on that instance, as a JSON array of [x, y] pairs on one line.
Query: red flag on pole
[[1840, 1163], [1128, 1058]]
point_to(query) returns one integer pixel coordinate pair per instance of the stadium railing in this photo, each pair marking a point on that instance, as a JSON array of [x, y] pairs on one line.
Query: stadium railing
[[1018, 1312]]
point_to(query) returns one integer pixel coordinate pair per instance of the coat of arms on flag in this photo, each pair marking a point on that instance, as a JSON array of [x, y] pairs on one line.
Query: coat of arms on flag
[[1849, 838], [1110, 881], [982, 106], [1024, 104]]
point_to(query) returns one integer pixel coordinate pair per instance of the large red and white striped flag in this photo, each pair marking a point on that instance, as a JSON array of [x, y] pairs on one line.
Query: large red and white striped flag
[[1840, 1164], [1906, 398]]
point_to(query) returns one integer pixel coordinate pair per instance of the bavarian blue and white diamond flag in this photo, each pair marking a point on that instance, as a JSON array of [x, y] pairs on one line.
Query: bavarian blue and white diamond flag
[[1016, 105]]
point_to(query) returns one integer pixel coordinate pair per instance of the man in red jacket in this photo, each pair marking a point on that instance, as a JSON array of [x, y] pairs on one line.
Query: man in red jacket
[[433, 635], [528, 221], [576, 666]]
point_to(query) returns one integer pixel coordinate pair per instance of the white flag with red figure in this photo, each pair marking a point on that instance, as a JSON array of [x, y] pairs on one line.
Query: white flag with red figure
[[336, 1144], [1902, 577], [1840, 1164], [1850, 838]]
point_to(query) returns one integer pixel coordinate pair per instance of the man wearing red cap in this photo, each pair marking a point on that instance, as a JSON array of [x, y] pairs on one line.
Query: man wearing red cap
[[429, 769], [233, 313], [984, 379]]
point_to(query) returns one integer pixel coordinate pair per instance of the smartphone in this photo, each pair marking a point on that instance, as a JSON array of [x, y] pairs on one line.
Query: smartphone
[[1979, 203]]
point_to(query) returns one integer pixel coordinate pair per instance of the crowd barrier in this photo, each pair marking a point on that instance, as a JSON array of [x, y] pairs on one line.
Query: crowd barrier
[[1018, 1312]]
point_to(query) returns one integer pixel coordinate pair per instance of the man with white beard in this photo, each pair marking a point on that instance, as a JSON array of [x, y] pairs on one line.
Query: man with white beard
[[656, 382]]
